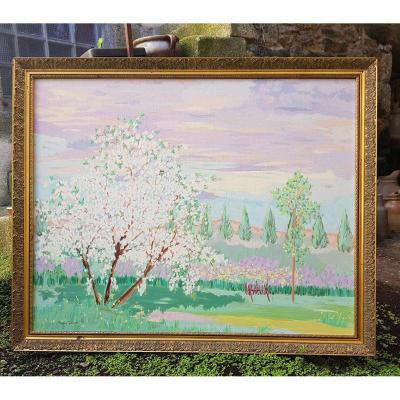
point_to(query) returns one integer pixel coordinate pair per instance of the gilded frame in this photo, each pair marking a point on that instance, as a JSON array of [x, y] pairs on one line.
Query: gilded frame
[[364, 70]]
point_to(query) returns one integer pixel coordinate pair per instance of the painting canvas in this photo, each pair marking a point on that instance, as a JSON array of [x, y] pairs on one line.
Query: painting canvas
[[195, 206]]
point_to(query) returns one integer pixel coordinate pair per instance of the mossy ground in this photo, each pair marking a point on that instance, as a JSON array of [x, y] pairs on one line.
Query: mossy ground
[[387, 361]]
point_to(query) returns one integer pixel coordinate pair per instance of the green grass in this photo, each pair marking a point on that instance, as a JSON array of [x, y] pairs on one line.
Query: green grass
[[68, 307], [58, 278], [386, 362], [5, 236], [337, 319], [5, 267]]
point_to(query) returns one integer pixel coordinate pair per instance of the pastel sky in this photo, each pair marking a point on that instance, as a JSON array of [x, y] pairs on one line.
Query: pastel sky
[[252, 134]]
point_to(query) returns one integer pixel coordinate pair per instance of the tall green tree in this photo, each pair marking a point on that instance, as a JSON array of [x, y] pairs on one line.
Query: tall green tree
[[294, 199], [244, 227], [319, 238], [206, 228], [269, 231], [226, 227], [345, 236]]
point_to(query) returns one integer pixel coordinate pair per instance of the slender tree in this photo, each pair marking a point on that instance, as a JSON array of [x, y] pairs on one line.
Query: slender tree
[[245, 227], [206, 228], [319, 238], [225, 226], [294, 199], [345, 236], [269, 231]]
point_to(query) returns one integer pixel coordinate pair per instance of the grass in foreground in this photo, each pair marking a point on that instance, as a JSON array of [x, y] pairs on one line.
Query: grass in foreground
[[387, 361], [68, 307]]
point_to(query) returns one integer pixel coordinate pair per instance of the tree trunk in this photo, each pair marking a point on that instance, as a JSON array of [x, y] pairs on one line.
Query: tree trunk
[[134, 287], [128, 293], [113, 268], [109, 281], [90, 275], [293, 276]]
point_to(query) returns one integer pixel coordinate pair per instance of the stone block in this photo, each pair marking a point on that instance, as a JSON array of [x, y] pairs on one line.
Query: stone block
[[384, 66], [247, 31], [384, 96], [211, 46], [186, 30]]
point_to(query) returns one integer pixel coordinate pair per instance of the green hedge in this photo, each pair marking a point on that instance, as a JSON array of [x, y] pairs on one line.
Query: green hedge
[[57, 277], [387, 361]]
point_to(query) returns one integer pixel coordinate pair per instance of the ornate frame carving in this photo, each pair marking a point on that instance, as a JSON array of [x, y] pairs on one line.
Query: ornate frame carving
[[364, 70]]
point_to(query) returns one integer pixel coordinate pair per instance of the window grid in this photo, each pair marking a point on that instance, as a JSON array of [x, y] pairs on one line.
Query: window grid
[[58, 31], [7, 48], [30, 29], [42, 40]]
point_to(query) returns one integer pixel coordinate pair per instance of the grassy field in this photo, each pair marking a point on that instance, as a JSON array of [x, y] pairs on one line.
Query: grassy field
[[219, 305], [70, 308], [386, 362]]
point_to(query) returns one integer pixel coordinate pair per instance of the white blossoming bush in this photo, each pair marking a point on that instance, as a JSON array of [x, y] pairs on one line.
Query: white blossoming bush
[[132, 203]]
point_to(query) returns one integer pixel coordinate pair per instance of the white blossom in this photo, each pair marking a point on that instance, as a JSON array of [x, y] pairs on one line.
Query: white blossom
[[133, 203]]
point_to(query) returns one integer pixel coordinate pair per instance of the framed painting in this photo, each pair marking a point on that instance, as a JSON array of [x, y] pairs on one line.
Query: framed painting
[[194, 204]]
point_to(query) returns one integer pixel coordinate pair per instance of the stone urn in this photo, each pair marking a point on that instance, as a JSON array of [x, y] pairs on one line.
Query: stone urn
[[382, 219], [159, 45], [389, 184], [392, 205]]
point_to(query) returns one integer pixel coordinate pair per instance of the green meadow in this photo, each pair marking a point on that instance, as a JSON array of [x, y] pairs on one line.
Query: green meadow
[[68, 308]]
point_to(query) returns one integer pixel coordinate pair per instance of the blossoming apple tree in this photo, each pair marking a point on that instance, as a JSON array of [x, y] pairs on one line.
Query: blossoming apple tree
[[139, 206], [67, 225]]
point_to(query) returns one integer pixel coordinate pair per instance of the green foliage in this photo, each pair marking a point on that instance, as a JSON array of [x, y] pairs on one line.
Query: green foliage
[[294, 199], [344, 237], [5, 236], [244, 227], [100, 43], [206, 228], [5, 267], [226, 227], [319, 238], [269, 231], [53, 279]]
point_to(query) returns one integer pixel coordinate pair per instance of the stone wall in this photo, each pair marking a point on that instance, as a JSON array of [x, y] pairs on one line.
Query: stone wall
[[285, 40]]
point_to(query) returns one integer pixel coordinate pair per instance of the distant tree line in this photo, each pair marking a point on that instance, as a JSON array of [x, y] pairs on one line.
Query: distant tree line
[[294, 199], [319, 238]]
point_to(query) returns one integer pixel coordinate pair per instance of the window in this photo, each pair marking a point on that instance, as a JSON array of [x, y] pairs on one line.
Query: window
[[84, 33], [6, 27], [6, 81], [7, 49], [32, 29], [59, 50], [58, 31], [30, 47]]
